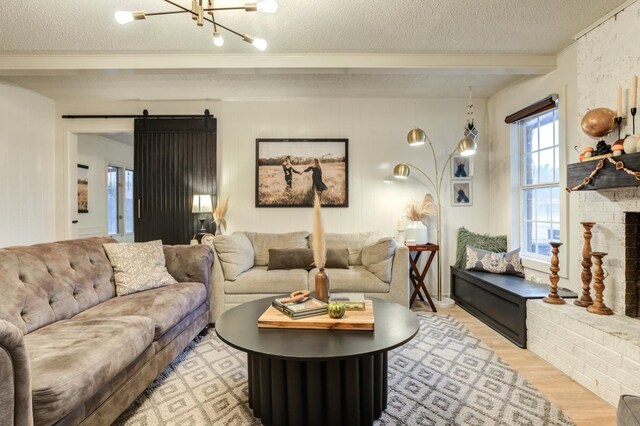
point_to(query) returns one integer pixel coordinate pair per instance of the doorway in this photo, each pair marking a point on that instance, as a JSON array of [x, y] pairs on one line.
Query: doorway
[[105, 168]]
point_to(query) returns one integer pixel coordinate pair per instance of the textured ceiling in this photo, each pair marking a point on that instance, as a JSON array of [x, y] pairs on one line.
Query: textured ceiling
[[310, 26], [307, 28]]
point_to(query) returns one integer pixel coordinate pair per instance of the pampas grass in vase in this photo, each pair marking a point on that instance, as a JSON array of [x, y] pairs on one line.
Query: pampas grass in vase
[[320, 253], [418, 211], [218, 215]]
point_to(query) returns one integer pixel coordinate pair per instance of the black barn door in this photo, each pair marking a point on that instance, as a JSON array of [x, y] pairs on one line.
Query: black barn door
[[173, 160]]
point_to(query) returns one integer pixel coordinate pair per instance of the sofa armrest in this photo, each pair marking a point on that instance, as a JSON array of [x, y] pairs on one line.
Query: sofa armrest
[[15, 377], [399, 286], [190, 264]]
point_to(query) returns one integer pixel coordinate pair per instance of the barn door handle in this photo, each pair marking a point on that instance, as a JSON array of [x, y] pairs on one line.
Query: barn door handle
[[138, 208]]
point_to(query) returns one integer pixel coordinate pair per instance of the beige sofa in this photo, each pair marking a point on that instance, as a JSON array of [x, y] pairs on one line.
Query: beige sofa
[[71, 352], [240, 269]]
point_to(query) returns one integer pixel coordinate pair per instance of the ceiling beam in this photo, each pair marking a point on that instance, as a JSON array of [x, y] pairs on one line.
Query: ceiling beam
[[481, 64]]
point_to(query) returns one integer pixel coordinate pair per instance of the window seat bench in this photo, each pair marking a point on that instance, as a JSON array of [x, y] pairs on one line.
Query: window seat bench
[[500, 301]]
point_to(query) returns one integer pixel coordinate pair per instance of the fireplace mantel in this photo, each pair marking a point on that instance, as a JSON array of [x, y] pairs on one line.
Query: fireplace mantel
[[608, 177]]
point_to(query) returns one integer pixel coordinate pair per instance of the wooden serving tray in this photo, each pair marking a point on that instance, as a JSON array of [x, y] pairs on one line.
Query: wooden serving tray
[[352, 320]]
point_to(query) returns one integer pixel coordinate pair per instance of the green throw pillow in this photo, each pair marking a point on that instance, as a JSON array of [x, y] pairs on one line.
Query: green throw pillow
[[497, 244]]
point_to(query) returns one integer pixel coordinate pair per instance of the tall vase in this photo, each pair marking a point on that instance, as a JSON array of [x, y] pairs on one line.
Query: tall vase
[[322, 286], [417, 232]]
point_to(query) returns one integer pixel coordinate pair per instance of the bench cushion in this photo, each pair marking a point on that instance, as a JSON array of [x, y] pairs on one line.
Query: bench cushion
[[260, 281], [356, 279], [72, 359], [166, 306]]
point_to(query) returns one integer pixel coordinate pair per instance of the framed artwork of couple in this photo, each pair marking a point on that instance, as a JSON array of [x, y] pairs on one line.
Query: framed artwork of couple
[[290, 171]]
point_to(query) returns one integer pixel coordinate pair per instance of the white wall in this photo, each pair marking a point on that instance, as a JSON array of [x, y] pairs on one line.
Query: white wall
[[98, 152], [504, 160], [27, 187], [376, 129]]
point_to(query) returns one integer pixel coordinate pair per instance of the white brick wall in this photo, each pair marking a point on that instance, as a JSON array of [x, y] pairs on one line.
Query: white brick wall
[[602, 353], [608, 57]]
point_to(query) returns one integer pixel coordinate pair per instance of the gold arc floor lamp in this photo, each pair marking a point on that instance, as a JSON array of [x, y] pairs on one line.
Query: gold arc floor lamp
[[466, 147]]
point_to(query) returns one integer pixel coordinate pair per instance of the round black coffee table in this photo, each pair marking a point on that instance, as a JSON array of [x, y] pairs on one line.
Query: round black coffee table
[[317, 377]]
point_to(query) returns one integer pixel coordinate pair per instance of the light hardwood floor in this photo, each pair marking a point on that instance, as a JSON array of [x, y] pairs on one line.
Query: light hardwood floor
[[582, 405]]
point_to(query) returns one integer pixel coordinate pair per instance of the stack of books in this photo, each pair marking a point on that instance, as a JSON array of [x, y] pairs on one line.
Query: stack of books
[[352, 301], [308, 308]]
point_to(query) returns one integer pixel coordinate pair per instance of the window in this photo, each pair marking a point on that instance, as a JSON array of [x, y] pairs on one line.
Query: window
[[539, 183], [119, 200]]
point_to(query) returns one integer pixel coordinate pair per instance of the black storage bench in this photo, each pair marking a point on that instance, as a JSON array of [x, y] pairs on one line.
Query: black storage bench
[[500, 301]]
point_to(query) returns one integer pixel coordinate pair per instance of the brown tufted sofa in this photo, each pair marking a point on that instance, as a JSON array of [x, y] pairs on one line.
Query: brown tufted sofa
[[71, 352]]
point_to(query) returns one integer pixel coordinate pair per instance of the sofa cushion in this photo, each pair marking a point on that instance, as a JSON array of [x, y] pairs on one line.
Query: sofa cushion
[[303, 259], [260, 281], [235, 253], [44, 283], [355, 279], [166, 306], [262, 242], [353, 242], [138, 266], [377, 256], [72, 359]]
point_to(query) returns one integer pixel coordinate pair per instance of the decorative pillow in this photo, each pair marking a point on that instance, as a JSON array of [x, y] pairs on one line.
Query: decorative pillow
[[262, 242], [235, 253], [377, 256], [138, 266], [497, 263], [466, 238], [352, 242], [303, 259]]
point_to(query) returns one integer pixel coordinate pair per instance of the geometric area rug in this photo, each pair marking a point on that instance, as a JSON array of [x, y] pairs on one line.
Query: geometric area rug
[[443, 376]]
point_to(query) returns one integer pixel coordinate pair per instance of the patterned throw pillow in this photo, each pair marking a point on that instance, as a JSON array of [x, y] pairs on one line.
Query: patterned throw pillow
[[497, 263], [138, 266], [496, 244]]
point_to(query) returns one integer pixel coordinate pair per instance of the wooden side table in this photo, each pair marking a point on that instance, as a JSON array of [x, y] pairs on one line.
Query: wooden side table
[[417, 277]]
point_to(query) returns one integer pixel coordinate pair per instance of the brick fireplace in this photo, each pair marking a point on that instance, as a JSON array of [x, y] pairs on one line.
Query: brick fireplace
[[600, 352], [617, 216]]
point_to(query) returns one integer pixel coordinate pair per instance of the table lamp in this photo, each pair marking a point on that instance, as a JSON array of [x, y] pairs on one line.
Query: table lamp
[[202, 204]]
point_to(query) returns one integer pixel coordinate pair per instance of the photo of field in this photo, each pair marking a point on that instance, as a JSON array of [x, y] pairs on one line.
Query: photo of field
[[83, 196], [83, 189], [272, 189]]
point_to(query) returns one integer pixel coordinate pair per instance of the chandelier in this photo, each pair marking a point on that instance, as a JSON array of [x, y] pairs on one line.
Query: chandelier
[[198, 10]]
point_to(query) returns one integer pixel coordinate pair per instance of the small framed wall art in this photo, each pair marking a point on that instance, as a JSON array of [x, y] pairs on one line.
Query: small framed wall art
[[461, 167], [462, 193], [290, 171]]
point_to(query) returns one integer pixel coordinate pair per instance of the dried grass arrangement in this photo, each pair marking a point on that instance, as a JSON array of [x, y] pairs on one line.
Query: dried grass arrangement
[[319, 244], [418, 210], [219, 213]]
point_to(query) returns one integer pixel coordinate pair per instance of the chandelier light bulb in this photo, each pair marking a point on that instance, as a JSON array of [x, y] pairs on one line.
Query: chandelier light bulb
[[267, 6], [258, 43], [123, 17], [217, 38]]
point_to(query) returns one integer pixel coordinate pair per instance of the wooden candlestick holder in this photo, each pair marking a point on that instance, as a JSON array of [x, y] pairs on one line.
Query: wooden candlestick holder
[[586, 276], [598, 306], [553, 297]]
